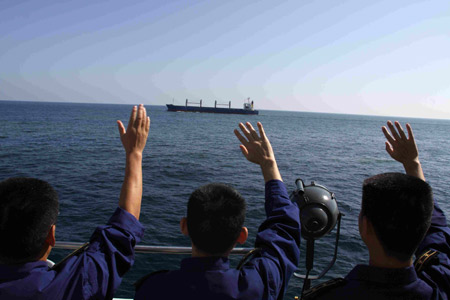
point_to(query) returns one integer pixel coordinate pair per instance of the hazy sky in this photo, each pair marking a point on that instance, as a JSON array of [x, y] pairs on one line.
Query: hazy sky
[[356, 56]]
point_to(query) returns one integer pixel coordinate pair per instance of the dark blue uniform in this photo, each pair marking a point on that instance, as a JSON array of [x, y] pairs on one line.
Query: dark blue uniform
[[92, 274], [433, 282], [263, 277]]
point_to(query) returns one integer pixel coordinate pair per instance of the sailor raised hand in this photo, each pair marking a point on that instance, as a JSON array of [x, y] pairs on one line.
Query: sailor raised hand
[[257, 149]]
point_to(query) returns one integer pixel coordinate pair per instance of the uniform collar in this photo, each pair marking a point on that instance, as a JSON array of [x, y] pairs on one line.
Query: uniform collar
[[200, 264], [383, 275], [11, 272]]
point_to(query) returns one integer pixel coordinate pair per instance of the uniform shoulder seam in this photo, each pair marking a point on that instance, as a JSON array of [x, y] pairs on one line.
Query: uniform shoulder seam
[[425, 260], [140, 281], [323, 287]]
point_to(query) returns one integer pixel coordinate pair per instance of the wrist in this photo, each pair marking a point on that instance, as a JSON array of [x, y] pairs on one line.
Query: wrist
[[270, 170], [414, 168], [268, 163], [412, 164], [134, 155]]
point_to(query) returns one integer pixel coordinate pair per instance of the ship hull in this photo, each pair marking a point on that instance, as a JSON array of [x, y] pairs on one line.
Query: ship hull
[[212, 110]]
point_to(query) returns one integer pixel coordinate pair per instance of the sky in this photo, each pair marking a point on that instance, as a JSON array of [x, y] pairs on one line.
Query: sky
[[389, 58]]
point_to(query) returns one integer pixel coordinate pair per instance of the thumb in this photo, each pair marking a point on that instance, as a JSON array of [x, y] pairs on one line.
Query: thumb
[[389, 149], [121, 128], [244, 151]]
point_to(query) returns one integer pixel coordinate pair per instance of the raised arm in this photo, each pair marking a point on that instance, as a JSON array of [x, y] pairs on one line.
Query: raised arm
[[279, 235], [403, 149], [257, 149], [133, 140], [97, 269]]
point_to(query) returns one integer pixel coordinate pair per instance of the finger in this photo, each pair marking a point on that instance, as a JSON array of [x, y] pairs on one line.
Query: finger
[[244, 150], [262, 133], [400, 130], [393, 131], [389, 149], [144, 118], [240, 137], [147, 125], [132, 117], [410, 132], [139, 116], [122, 130], [246, 132], [387, 135], [252, 131]]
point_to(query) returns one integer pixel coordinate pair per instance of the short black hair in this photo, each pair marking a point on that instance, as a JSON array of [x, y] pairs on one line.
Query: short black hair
[[399, 207], [215, 216], [28, 209]]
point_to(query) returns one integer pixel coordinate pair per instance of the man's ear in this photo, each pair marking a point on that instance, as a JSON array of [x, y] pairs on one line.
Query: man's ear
[[366, 230], [183, 226], [50, 239], [360, 223], [242, 236]]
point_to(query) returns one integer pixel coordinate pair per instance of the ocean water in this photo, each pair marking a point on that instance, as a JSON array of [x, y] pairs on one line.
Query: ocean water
[[76, 147]]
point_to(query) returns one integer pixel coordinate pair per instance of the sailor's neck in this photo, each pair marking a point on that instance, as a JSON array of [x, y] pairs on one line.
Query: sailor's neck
[[198, 253], [388, 262]]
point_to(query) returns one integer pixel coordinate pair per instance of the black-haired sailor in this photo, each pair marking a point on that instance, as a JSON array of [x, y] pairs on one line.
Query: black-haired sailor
[[28, 210], [215, 217], [397, 221]]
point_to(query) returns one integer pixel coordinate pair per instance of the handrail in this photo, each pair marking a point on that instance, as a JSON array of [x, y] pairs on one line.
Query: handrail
[[151, 249]]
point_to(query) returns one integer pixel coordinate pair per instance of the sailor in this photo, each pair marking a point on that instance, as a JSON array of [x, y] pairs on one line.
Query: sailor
[[397, 221], [214, 222], [28, 210]]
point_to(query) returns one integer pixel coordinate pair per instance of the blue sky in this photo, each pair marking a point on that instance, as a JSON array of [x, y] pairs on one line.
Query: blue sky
[[358, 57]]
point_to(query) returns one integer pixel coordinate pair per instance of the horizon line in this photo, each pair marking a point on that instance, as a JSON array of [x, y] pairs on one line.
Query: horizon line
[[278, 110]]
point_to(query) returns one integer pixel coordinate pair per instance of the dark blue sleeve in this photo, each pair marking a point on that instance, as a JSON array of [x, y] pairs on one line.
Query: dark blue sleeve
[[437, 238], [279, 237], [110, 255]]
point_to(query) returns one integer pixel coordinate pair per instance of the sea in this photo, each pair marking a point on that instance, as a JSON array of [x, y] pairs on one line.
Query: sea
[[76, 147]]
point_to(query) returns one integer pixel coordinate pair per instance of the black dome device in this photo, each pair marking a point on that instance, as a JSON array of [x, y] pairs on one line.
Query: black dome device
[[319, 214]]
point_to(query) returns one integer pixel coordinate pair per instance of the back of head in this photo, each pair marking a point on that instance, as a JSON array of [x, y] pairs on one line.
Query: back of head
[[399, 207], [28, 209], [215, 216]]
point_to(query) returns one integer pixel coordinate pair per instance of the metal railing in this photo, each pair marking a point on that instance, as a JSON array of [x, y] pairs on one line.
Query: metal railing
[[151, 249]]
